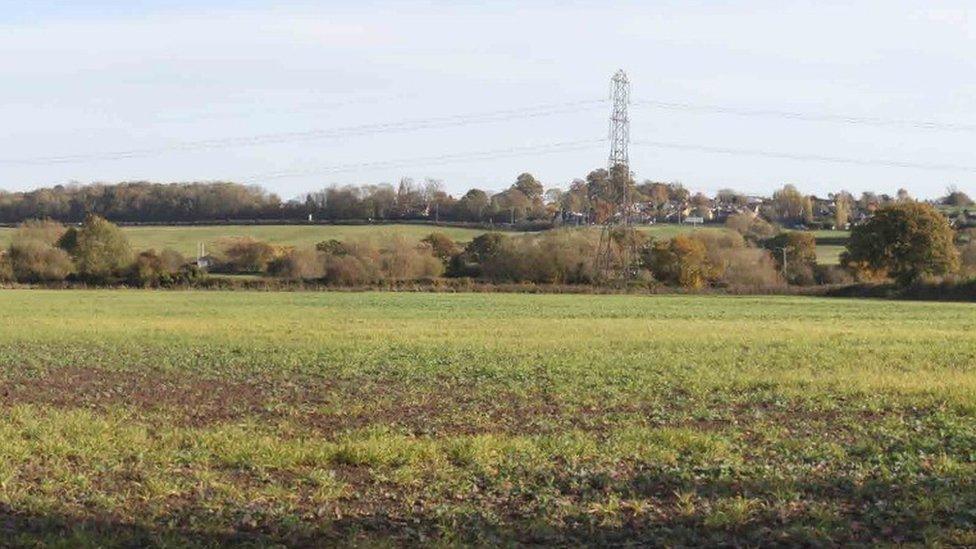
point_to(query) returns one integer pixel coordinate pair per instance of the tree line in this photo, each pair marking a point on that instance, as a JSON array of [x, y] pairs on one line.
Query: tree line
[[592, 199]]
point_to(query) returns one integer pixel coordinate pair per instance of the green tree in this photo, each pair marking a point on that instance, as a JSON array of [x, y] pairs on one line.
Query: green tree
[[473, 205], [99, 248], [905, 241]]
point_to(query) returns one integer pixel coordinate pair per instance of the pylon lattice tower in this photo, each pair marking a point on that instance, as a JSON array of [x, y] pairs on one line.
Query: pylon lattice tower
[[619, 121], [617, 226]]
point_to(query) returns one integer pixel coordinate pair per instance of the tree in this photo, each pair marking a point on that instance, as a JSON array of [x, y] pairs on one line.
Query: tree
[[905, 241], [799, 250], [473, 205], [99, 248], [843, 202], [441, 246], [752, 227], [789, 206], [36, 261], [730, 197], [955, 197], [514, 203], [529, 186], [681, 260]]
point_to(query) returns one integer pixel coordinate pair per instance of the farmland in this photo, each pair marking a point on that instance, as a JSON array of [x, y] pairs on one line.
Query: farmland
[[207, 418], [185, 239]]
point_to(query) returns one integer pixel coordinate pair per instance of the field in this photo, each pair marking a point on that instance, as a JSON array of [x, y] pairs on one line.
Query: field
[[185, 239], [137, 417], [830, 244]]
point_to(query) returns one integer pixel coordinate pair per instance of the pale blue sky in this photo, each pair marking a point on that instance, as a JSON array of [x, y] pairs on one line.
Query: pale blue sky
[[83, 78]]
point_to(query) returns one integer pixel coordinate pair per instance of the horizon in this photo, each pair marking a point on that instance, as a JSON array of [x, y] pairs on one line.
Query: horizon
[[748, 97]]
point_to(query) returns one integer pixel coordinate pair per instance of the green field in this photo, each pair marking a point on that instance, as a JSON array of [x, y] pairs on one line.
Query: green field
[[185, 239], [138, 417]]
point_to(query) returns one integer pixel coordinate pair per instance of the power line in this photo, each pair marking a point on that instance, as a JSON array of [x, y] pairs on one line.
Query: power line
[[341, 132], [804, 157], [440, 159], [809, 117]]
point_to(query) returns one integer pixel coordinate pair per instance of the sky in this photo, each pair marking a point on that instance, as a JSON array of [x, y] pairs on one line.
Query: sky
[[296, 96]]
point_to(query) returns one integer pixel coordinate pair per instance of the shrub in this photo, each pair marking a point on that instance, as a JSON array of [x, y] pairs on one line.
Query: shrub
[[681, 261], [332, 247], [905, 240], [482, 249], [401, 259], [245, 255], [6, 269], [833, 274], [752, 227], [99, 248], [442, 246], [299, 265], [33, 256], [153, 269], [801, 255], [36, 261], [751, 268], [967, 259], [348, 270], [46, 231], [372, 260], [552, 257]]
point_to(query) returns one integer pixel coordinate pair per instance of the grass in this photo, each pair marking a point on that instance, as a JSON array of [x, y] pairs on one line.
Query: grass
[[185, 239], [830, 244], [153, 418]]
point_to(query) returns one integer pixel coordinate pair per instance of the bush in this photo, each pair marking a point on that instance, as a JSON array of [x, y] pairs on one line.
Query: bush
[[6, 269], [99, 248], [754, 228], [163, 269], [552, 257], [245, 255], [801, 255], [45, 231], [299, 265], [33, 256], [401, 259], [748, 268], [680, 261], [443, 247], [482, 249], [833, 274], [967, 259], [373, 260], [36, 261]]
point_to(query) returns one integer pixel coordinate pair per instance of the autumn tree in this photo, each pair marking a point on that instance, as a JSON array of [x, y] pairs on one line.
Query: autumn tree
[[905, 241], [681, 261], [799, 251], [843, 203]]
